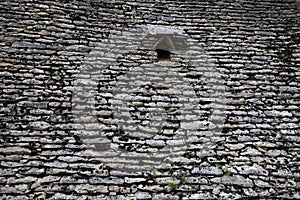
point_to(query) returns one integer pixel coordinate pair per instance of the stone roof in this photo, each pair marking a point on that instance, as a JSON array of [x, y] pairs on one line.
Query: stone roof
[[88, 111]]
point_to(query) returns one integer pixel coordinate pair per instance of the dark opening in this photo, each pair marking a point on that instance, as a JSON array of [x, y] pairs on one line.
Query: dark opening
[[163, 54]]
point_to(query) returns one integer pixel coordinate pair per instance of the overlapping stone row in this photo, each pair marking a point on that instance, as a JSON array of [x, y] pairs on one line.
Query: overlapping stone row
[[255, 46]]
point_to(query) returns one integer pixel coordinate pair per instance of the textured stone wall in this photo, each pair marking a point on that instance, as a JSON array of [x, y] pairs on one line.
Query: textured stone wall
[[80, 81]]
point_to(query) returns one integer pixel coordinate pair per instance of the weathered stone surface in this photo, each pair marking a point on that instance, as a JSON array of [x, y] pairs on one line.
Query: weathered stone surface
[[219, 120], [165, 197], [96, 180], [143, 195], [233, 180], [39, 125], [211, 171], [134, 180], [14, 150], [255, 170]]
